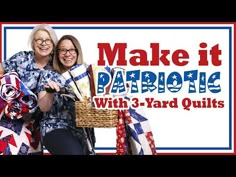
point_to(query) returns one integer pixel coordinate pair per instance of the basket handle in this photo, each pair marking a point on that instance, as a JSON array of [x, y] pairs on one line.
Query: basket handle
[[63, 91], [69, 96]]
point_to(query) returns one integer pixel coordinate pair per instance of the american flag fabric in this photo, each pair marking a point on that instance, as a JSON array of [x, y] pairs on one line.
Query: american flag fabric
[[134, 134], [8, 90], [16, 100], [16, 97]]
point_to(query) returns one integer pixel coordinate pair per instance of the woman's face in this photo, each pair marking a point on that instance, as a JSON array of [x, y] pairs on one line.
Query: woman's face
[[43, 44], [67, 54]]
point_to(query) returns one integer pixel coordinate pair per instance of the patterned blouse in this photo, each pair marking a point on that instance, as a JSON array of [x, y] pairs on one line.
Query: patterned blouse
[[62, 113], [29, 73], [24, 64]]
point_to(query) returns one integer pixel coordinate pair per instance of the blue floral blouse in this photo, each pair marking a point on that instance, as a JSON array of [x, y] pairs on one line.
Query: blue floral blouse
[[29, 73], [24, 64], [62, 113]]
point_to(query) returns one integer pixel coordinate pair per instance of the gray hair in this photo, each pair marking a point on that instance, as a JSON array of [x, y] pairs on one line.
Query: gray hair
[[44, 27]]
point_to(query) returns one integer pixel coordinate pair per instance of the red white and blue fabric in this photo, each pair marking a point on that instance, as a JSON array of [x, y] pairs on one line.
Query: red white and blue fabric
[[8, 90], [121, 138], [134, 135], [14, 140], [16, 97]]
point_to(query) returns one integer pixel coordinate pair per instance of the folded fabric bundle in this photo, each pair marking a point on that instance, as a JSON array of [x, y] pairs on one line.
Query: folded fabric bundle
[[21, 105], [81, 79], [134, 135], [70, 81], [93, 71]]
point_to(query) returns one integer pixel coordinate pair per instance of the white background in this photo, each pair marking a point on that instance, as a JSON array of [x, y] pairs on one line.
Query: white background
[[172, 127]]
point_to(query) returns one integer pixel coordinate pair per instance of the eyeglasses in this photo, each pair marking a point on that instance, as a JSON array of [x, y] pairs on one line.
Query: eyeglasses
[[41, 41], [64, 51]]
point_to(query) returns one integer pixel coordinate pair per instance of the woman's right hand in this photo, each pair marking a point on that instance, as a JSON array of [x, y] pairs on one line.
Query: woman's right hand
[[52, 87]]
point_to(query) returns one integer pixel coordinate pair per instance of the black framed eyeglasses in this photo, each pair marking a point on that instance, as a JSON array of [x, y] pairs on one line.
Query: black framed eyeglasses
[[41, 41], [64, 51]]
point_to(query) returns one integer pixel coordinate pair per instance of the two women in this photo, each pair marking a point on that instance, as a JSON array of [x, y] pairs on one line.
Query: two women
[[59, 133]]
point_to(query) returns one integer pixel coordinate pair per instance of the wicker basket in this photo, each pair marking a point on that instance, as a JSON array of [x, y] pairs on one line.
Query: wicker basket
[[87, 116]]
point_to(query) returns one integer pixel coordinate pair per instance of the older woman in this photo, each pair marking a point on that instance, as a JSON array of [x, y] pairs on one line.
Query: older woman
[[29, 66]]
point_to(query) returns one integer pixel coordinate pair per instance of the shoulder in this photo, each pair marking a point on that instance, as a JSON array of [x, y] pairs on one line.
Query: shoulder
[[22, 55], [51, 74], [54, 76]]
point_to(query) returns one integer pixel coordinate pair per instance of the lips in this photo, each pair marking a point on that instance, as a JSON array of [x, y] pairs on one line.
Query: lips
[[43, 48], [68, 59]]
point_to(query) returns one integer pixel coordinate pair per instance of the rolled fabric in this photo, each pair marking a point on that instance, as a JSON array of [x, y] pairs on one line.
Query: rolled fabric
[[70, 81], [3, 104], [9, 90], [9, 86], [18, 98], [81, 78], [25, 102]]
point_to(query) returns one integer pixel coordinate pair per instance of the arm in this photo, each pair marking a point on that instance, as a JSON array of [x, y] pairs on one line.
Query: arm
[[11, 64], [45, 99], [1, 70]]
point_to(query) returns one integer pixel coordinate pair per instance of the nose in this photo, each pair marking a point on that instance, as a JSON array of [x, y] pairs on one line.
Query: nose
[[67, 53], [43, 42]]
